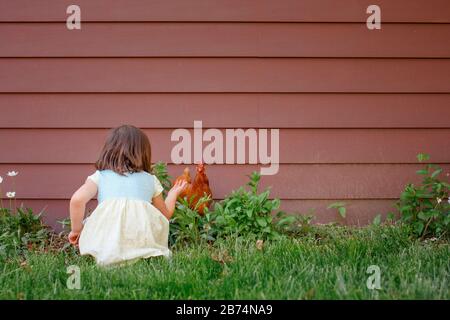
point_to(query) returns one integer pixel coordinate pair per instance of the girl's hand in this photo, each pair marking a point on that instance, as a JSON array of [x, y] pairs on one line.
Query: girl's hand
[[73, 237], [167, 207], [178, 187]]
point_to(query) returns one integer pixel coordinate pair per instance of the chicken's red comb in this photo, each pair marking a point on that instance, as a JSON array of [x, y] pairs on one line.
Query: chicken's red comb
[[200, 165]]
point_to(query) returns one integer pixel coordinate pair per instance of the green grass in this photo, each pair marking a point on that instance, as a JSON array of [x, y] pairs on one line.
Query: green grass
[[329, 265]]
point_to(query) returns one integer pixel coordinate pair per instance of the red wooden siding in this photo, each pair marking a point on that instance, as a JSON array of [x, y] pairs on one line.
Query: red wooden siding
[[311, 145], [353, 106], [224, 75], [239, 40], [227, 10], [294, 181], [268, 110]]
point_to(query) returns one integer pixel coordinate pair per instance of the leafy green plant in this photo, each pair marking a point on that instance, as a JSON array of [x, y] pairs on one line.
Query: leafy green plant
[[390, 217], [297, 225], [244, 213], [377, 220], [425, 207], [340, 207], [160, 171], [65, 224], [187, 226], [21, 231]]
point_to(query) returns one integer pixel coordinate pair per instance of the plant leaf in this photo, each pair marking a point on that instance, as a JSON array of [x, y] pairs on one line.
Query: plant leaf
[[342, 211], [390, 216], [377, 220], [423, 157], [261, 221], [335, 205], [436, 173]]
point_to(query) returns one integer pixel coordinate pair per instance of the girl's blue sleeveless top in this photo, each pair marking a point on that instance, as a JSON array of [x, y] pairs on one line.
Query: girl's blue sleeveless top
[[136, 185]]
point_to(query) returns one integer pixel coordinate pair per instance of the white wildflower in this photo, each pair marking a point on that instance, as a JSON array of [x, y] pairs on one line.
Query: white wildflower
[[13, 173], [1, 179], [10, 194], [439, 200]]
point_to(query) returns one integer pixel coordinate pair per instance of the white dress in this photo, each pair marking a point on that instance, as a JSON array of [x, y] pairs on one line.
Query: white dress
[[125, 226]]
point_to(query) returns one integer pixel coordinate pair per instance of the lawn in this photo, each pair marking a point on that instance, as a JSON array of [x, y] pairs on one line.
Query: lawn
[[329, 263]]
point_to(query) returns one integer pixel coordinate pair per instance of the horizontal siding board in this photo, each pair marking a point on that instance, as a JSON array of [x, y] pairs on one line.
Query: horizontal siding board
[[224, 75], [227, 10], [309, 181], [224, 40], [359, 212], [219, 110], [297, 146]]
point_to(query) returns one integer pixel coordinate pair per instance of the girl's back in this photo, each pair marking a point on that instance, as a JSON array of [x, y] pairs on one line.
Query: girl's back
[[136, 185]]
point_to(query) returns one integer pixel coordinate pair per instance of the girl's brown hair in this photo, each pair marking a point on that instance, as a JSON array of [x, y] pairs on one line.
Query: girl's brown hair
[[127, 149]]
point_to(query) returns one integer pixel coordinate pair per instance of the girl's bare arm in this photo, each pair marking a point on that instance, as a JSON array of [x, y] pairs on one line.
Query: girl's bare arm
[[78, 204], [167, 207]]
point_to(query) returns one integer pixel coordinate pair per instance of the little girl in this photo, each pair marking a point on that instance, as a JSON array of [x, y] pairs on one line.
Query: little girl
[[131, 220]]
